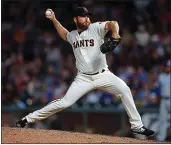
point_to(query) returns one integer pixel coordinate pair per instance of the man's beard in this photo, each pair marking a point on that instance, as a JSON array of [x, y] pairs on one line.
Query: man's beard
[[83, 26]]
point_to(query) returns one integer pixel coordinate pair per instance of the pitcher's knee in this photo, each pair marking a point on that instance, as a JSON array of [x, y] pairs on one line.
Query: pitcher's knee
[[126, 90], [66, 103]]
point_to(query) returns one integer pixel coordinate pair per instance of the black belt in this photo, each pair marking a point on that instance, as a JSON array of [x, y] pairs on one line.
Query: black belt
[[103, 70]]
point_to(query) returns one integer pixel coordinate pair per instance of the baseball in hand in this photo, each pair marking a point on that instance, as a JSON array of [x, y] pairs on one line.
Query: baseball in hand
[[48, 13]]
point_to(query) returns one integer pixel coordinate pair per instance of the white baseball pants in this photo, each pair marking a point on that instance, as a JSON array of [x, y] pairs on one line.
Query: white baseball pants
[[82, 84]]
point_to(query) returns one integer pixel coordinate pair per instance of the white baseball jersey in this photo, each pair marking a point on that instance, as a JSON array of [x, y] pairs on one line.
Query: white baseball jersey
[[86, 47]]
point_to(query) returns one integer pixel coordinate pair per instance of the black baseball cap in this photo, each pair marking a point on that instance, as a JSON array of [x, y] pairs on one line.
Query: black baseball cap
[[82, 11]]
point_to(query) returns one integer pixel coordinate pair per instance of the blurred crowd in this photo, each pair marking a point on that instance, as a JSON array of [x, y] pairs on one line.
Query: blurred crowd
[[38, 67]]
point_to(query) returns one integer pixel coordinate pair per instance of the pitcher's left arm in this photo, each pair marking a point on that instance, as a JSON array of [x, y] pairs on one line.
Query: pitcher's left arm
[[114, 40], [113, 27]]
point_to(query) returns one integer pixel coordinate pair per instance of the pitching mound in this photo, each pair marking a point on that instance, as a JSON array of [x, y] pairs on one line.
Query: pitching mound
[[17, 135]]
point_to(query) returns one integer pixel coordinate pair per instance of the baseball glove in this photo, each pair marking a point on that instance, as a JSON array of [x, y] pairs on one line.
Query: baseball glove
[[110, 44]]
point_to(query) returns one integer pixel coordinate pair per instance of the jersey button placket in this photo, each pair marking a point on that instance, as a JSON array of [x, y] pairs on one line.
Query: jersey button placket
[[83, 52]]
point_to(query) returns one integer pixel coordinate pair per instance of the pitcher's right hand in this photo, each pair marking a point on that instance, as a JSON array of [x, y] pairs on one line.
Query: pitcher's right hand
[[52, 16]]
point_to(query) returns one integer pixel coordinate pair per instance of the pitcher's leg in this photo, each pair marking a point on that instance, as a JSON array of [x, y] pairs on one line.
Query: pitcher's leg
[[77, 89], [111, 83], [128, 102]]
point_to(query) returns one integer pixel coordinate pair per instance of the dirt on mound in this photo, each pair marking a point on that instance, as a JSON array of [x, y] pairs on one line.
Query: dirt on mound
[[34, 136]]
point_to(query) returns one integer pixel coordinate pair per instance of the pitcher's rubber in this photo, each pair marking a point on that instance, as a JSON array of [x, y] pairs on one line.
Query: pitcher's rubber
[[34, 136]]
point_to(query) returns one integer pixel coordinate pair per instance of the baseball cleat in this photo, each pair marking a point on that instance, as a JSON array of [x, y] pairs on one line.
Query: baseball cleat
[[143, 131], [21, 123]]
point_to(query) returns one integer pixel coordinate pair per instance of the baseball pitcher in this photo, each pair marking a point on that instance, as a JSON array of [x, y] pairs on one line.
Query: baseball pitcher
[[89, 49]]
